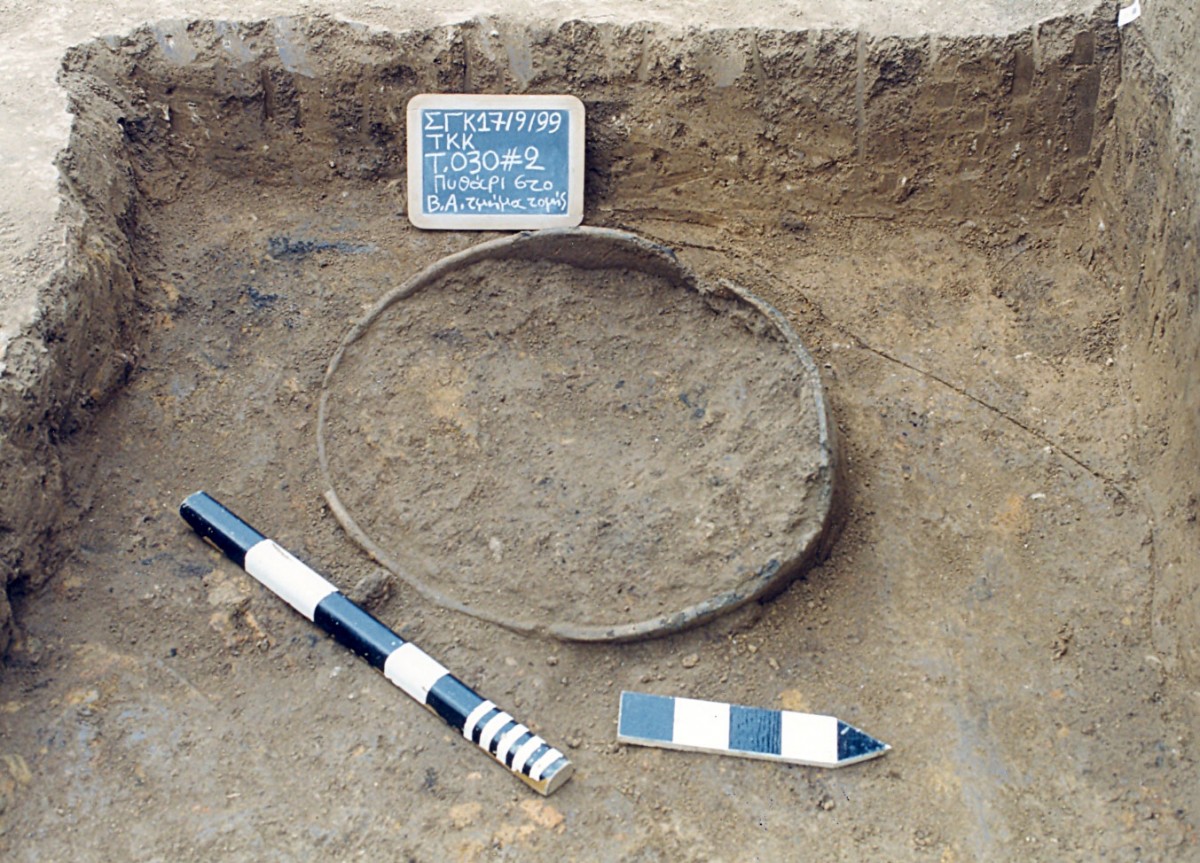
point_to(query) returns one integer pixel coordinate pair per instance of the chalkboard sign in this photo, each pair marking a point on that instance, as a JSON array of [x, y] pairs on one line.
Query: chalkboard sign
[[478, 162]]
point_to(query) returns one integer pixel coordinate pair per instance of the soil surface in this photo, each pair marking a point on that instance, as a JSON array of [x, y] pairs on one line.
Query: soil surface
[[988, 609], [984, 610]]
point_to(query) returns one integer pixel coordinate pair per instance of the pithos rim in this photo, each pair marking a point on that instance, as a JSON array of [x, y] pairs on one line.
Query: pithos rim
[[596, 248]]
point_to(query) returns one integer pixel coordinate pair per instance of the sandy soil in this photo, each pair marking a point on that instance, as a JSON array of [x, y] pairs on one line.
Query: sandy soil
[[986, 609], [982, 611]]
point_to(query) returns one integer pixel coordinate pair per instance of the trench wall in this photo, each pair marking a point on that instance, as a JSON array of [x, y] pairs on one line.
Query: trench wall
[[79, 350], [1146, 196], [994, 127]]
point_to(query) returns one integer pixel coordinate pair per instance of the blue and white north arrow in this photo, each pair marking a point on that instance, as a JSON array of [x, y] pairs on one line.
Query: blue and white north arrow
[[752, 732]]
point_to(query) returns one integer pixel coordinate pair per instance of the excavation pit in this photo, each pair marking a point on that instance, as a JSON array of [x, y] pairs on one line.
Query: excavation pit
[[984, 242]]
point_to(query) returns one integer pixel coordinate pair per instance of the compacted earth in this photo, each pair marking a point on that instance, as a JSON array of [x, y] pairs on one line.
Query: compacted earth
[[983, 609], [984, 606]]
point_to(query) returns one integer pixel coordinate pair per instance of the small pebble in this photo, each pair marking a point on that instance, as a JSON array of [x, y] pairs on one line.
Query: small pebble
[[691, 660], [373, 589]]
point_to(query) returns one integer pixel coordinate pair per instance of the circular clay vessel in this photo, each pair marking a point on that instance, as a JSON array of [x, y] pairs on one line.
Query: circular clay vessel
[[568, 433]]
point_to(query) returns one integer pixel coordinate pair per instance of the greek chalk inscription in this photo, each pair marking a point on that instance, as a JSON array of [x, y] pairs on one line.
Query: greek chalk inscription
[[483, 161]]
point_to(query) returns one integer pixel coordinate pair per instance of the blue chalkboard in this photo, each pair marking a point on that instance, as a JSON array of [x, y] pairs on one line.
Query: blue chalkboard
[[495, 162]]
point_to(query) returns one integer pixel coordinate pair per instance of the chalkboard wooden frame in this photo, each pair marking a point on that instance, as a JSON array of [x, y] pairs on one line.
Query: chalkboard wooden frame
[[495, 162]]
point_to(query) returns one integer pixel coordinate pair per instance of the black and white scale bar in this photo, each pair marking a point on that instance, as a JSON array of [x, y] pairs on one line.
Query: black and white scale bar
[[752, 732], [526, 754]]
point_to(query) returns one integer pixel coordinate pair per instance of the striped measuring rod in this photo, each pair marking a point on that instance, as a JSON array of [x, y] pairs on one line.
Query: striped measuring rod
[[531, 758]]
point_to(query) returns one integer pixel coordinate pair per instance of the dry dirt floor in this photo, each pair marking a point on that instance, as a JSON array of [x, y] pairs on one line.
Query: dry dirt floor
[[985, 609]]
